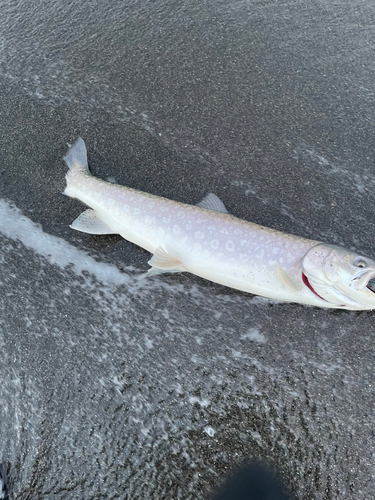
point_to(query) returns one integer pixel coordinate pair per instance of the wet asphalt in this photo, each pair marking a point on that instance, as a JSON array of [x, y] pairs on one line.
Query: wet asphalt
[[159, 388]]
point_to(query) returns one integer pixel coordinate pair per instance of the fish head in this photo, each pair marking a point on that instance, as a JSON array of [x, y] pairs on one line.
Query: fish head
[[341, 278]]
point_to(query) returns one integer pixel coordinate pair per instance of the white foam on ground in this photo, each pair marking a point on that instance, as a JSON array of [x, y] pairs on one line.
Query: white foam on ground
[[210, 431], [14, 225], [254, 335]]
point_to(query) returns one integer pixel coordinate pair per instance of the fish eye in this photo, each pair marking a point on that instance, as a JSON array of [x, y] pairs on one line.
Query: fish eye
[[359, 262]]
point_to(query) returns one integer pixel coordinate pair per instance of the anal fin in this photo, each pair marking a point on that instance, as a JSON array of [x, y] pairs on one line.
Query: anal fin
[[163, 262], [89, 222]]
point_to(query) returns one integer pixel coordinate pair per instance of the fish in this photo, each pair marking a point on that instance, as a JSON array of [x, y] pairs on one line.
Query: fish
[[207, 241]]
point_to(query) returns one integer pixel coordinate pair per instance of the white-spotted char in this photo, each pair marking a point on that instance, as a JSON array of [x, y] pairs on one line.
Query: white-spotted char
[[207, 241]]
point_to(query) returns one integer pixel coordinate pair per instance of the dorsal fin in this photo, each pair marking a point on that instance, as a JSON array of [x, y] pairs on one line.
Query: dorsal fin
[[212, 202]]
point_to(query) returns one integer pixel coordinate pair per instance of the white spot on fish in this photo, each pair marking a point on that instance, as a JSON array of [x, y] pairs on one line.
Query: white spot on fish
[[229, 245], [176, 229], [214, 244], [244, 257], [199, 235], [149, 219]]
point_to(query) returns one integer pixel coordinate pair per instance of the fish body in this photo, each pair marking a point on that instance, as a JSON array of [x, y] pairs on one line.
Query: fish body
[[207, 241]]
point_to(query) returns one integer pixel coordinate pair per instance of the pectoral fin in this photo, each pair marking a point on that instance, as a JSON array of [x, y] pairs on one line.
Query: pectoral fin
[[288, 282], [212, 202], [163, 262], [89, 222]]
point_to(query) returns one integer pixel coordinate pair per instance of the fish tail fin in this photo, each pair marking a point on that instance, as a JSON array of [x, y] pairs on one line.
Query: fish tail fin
[[76, 159]]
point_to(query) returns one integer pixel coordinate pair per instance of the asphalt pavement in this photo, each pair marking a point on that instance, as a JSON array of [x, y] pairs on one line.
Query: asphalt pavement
[[114, 385]]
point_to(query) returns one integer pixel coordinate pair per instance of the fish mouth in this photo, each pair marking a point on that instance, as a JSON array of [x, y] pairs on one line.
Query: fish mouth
[[371, 284], [366, 280], [306, 282]]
